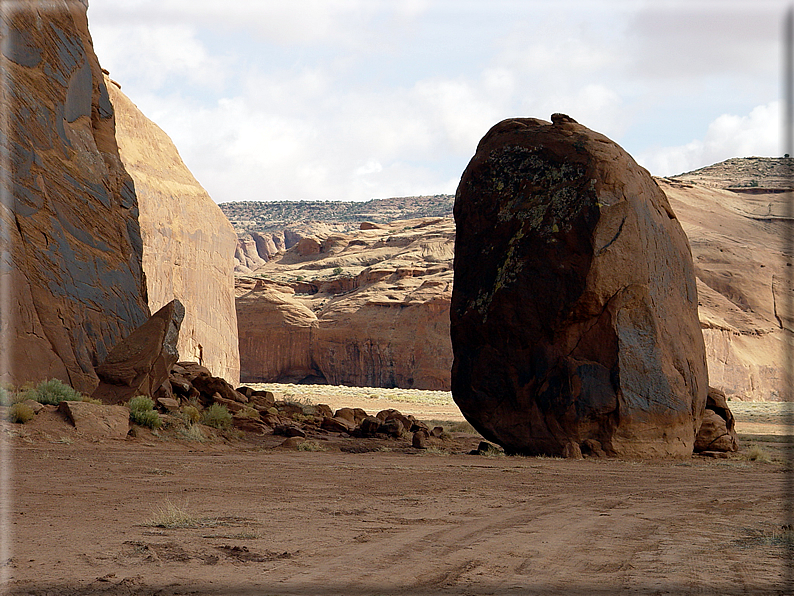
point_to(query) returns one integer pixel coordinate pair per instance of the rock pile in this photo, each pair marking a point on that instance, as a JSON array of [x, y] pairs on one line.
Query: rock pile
[[267, 412]]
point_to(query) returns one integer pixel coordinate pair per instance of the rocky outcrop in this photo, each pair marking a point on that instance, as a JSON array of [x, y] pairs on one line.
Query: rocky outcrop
[[71, 239], [369, 309], [188, 244], [718, 430], [574, 311], [141, 363]]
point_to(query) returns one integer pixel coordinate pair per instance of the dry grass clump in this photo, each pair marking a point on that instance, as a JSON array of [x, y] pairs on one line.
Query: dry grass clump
[[171, 516], [759, 454], [20, 413], [193, 432], [191, 415]]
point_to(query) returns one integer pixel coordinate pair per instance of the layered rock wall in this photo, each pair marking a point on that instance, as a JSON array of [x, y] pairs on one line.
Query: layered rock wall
[[72, 281], [188, 244]]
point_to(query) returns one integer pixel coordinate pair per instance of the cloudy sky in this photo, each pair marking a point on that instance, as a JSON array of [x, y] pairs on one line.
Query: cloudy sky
[[359, 99]]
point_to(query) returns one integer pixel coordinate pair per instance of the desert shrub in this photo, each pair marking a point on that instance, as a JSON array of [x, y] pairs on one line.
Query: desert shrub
[[20, 413], [141, 403], [91, 400], [217, 416], [142, 412], [190, 414], [337, 271], [248, 412], [51, 392], [759, 454], [193, 433], [148, 418], [311, 446]]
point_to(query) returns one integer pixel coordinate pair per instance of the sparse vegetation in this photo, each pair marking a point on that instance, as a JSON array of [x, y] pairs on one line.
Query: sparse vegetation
[[142, 412], [193, 432], [311, 446], [337, 271], [759, 454], [217, 416], [50, 392], [191, 415], [171, 517], [20, 413]]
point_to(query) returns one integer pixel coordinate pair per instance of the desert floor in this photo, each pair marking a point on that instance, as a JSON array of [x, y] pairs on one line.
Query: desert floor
[[81, 516]]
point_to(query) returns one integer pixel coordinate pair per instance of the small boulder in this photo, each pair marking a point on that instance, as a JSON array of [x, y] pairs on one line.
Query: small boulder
[[718, 429], [369, 426], [338, 425], [437, 431], [292, 443], [141, 363], [420, 439], [100, 421], [208, 385], [33, 405], [168, 404], [232, 406]]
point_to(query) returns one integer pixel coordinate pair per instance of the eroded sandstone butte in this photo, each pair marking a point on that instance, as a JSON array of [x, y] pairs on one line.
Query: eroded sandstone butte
[[574, 319], [71, 238], [363, 309], [188, 244]]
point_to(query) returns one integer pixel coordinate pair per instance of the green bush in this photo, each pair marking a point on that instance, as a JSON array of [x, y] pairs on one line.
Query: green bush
[[142, 412], [141, 403], [217, 416], [148, 418], [51, 392], [20, 413], [337, 271]]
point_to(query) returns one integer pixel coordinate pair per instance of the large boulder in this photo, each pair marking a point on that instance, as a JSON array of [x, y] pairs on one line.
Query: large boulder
[[141, 363], [574, 309], [71, 241], [188, 244]]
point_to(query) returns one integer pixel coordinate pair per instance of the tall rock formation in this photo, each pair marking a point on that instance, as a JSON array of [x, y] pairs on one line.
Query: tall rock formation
[[574, 317], [71, 276], [188, 244]]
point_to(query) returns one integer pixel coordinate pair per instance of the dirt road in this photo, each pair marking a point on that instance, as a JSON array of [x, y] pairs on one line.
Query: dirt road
[[268, 521]]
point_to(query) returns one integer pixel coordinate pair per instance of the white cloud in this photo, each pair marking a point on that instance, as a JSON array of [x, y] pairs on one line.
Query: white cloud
[[729, 135]]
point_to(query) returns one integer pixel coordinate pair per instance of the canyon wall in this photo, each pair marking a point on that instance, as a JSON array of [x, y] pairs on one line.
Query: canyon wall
[[71, 276], [188, 244]]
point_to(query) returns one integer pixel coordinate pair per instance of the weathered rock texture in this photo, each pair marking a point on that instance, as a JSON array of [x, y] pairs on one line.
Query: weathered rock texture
[[369, 309], [140, 364], [718, 429], [72, 246], [734, 215], [574, 311], [188, 244]]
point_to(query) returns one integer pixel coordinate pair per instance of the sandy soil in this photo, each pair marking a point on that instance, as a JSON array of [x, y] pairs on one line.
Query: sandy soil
[[270, 521]]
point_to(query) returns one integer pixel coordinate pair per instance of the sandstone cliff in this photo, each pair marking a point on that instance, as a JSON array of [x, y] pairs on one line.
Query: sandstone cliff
[[188, 244], [734, 216], [72, 280], [369, 309]]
